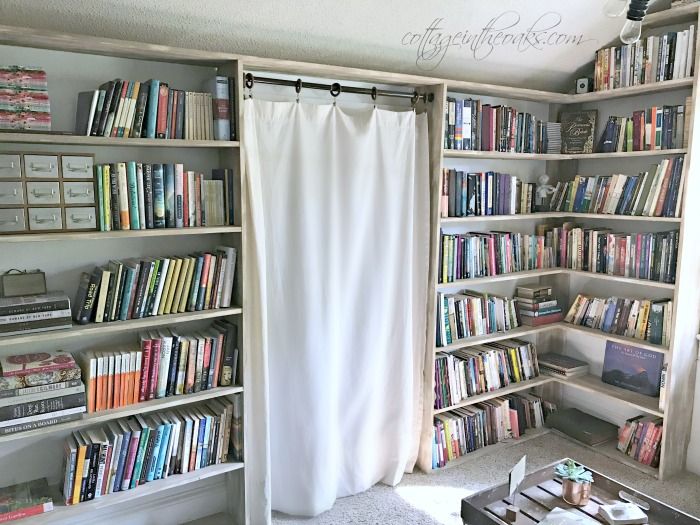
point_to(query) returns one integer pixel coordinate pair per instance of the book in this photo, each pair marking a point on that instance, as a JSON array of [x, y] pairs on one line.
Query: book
[[632, 368], [577, 131], [562, 365], [23, 500], [35, 363], [581, 426]]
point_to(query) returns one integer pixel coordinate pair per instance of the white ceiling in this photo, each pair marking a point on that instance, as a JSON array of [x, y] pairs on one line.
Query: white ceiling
[[360, 33]]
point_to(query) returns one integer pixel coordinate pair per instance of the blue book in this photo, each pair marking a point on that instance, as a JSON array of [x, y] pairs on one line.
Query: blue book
[[606, 325], [459, 104], [153, 463], [200, 440], [632, 368], [100, 197], [133, 191], [212, 361], [162, 453], [129, 276], [158, 197], [119, 474], [205, 444], [169, 181], [194, 291], [152, 109]]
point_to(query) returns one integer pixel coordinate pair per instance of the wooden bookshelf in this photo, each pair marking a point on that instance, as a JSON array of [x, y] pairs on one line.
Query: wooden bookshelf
[[633, 91], [449, 221], [473, 154], [119, 234], [82, 140], [520, 331], [686, 14]]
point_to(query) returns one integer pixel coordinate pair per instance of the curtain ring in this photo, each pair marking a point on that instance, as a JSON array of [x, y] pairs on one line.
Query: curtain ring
[[414, 100], [374, 96], [297, 87], [336, 89], [248, 83]]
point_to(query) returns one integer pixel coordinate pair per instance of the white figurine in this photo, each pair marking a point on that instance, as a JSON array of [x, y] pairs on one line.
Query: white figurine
[[543, 189]]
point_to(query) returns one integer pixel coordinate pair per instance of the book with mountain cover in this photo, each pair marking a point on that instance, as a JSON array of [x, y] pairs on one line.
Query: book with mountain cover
[[633, 368]]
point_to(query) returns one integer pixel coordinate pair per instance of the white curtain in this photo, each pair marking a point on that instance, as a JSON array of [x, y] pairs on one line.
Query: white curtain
[[339, 204]]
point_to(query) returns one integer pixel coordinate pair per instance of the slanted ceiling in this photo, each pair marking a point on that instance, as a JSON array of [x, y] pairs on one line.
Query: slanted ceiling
[[542, 42]]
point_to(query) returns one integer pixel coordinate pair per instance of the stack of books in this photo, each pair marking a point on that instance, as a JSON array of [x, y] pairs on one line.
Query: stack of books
[[656, 58], [138, 196], [152, 109], [486, 193], [537, 306], [640, 437], [654, 193], [464, 430], [129, 452], [469, 313], [24, 99], [34, 313], [655, 128], [636, 318], [468, 372], [553, 130], [561, 365], [38, 390], [23, 500], [133, 289], [166, 364]]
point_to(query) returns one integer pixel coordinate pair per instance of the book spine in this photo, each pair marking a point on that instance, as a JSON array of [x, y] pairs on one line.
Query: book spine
[[148, 195], [40, 389], [41, 423], [162, 119], [221, 108], [123, 196], [43, 406], [133, 196], [140, 112], [100, 197], [26, 512], [141, 187], [151, 116], [169, 185], [158, 196], [179, 195], [35, 308]]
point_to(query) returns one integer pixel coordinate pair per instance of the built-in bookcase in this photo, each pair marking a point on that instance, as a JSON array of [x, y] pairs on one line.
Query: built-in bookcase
[[588, 393]]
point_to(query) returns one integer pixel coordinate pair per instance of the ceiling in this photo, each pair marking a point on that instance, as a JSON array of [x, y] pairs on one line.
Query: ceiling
[[541, 44]]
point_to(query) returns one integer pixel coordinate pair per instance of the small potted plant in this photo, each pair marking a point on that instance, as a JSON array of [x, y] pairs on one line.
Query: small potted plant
[[576, 482]]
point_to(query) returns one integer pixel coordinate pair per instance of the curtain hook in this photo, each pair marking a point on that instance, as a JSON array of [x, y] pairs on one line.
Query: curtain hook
[[248, 83], [297, 87], [336, 89], [374, 96], [414, 99]]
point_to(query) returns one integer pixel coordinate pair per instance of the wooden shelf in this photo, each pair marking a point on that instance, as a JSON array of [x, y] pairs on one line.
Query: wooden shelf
[[616, 338], [129, 410], [116, 327], [677, 15], [66, 512], [82, 140], [620, 279], [510, 389], [590, 383], [449, 221], [460, 154], [120, 234], [644, 89], [498, 336]]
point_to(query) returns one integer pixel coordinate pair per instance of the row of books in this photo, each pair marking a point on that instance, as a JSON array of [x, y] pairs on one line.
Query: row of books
[[655, 128], [129, 452], [34, 313], [537, 305], [469, 313], [152, 109], [642, 319], [640, 437], [464, 430], [654, 193], [486, 193], [138, 196], [468, 372], [471, 125], [656, 58], [24, 99], [166, 364], [38, 390], [133, 288], [650, 256]]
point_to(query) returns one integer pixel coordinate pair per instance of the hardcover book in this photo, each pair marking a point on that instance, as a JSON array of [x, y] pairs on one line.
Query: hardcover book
[[25, 499], [577, 131], [633, 368], [26, 364]]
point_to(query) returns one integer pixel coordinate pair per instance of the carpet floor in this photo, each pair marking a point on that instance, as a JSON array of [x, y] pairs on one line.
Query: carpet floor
[[434, 499]]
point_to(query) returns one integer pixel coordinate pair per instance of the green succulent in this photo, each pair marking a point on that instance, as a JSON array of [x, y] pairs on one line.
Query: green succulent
[[576, 473]]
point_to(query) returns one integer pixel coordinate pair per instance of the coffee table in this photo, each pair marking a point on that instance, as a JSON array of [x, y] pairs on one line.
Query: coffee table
[[540, 492]]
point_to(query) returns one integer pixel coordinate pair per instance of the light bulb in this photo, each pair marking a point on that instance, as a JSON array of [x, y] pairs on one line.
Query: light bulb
[[631, 31], [615, 8]]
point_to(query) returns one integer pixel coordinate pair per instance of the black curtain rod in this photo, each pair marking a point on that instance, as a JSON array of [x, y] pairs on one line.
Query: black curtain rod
[[336, 88]]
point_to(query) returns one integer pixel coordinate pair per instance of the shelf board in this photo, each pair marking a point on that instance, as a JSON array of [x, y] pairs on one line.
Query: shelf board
[[510, 389], [644, 89], [82, 140], [120, 234], [677, 15], [66, 512], [498, 336], [620, 279], [129, 410], [461, 154], [616, 338], [116, 327], [530, 433], [631, 154], [450, 221]]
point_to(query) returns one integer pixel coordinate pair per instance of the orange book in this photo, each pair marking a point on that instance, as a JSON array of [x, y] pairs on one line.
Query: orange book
[[117, 397], [127, 378], [99, 395], [136, 359], [89, 365], [109, 394]]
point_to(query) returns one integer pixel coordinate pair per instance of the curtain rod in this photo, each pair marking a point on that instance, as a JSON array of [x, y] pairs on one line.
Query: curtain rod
[[336, 88]]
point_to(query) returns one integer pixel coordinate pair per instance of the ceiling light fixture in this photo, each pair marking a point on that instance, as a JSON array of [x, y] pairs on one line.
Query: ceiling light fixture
[[636, 10]]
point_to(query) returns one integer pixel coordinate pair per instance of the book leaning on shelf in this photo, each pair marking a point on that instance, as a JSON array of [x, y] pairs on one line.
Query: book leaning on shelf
[[39, 390], [138, 196], [133, 289], [153, 109], [642, 319], [127, 453], [468, 372], [34, 313]]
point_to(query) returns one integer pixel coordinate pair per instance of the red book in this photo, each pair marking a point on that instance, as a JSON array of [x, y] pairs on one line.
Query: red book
[[217, 361], [162, 119], [542, 320], [130, 460], [145, 368], [34, 363], [664, 190], [26, 512], [207, 363], [155, 362]]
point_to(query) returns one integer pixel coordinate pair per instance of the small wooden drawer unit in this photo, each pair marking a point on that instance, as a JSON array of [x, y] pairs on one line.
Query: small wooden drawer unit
[[47, 192]]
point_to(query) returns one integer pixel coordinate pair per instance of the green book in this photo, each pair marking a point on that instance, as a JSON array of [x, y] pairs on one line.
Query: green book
[[100, 196], [630, 135], [25, 499], [141, 452], [132, 188]]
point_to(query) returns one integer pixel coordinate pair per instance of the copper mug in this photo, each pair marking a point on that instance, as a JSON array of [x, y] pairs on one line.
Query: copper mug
[[576, 493]]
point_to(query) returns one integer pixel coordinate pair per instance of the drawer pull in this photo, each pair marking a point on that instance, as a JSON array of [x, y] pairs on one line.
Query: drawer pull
[[8, 221], [40, 194], [72, 193], [78, 218], [9, 166], [81, 167], [9, 194], [42, 167], [40, 220]]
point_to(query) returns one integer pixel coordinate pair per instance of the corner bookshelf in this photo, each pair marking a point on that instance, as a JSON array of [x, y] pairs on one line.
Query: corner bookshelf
[[588, 393]]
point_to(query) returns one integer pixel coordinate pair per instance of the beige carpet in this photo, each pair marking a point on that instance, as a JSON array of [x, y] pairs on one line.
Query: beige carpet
[[435, 498]]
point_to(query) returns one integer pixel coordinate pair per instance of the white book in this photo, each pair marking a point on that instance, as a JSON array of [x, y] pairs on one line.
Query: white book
[[93, 107], [115, 439], [690, 52], [166, 347], [179, 196], [191, 199], [186, 441], [36, 316], [69, 461], [41, 417], [656, 188], [159, 292], [102, 297], [141, 195]]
